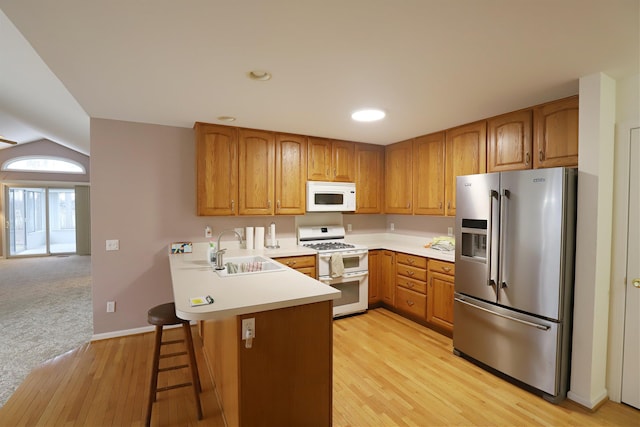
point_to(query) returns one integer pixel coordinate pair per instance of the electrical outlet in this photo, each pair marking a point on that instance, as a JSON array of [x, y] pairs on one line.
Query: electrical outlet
[[392, 226], [450, 231], [111, 306], [208, 233], [248, 324], [349, 227], [113, 245]]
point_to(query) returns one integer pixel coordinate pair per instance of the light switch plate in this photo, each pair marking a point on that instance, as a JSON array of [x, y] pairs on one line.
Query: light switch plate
[[249, 323]]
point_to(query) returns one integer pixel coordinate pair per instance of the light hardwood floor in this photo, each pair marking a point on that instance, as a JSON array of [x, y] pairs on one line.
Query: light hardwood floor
[[388, 371]]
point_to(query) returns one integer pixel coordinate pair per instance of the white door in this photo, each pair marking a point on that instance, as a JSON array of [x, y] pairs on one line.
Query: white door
[[631, 352]]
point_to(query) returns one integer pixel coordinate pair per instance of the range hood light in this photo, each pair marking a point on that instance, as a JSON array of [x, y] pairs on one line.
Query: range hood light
[[368, 115]]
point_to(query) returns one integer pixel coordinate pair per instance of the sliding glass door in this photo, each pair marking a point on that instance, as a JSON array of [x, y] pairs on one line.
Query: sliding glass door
[[40, 220]]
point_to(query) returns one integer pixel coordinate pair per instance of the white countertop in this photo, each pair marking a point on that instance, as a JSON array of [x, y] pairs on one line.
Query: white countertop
[[400, 243], [192, 276]]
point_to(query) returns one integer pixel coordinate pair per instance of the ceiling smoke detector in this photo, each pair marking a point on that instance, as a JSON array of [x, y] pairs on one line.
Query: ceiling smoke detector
[[259, 75], [368, 115]]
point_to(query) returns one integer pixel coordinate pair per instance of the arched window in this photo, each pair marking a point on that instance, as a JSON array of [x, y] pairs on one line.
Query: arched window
[[48, 164]]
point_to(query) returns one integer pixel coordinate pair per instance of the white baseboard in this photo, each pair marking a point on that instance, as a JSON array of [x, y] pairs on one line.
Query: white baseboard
[[125, 332], [588, 403]]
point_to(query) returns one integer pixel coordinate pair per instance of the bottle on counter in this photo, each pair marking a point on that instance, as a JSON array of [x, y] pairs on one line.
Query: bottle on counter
[[211, 253]]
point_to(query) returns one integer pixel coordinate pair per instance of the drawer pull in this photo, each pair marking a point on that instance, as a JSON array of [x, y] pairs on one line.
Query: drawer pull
[[410, 303], [290, 263], [447, 269], [410, 273], [411, 285], [410, 261]]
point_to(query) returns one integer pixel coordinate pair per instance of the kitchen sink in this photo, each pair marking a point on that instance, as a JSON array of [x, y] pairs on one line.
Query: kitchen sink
[[243, 265]]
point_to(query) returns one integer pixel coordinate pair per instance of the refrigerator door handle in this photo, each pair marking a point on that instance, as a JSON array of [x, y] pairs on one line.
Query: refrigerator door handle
[[515, 319], [501, 233], [492, 194]]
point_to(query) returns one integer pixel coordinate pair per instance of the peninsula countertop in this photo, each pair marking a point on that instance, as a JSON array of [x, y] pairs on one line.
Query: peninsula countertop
[[192, 276]]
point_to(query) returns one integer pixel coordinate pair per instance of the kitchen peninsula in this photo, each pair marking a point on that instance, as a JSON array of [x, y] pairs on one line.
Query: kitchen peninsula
[[283, 376]]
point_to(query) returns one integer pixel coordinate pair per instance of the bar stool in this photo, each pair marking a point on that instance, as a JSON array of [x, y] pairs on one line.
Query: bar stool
[[165, 315]]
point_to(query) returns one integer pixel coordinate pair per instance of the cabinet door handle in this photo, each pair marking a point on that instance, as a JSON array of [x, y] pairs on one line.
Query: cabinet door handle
[[449, 204], [540, 155], [440, 205], [278, 204], [527, 158], [408, 205], [233, 205]]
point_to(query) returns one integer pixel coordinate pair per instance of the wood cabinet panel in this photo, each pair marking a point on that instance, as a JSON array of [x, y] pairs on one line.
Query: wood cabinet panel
[[256, 173], [305, 264], [509, 142], [369, 178], [291, 174], [375, 273], [398, 177], [330, 160], [343, 161], [466, 154], [319, 159], [410, 302], [216, 169], [388, 275], [556, 133], [440, 294], [411, 260], [429, 174]]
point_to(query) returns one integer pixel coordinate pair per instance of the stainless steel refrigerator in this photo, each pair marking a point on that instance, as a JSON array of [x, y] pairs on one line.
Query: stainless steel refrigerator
[[515, 246]]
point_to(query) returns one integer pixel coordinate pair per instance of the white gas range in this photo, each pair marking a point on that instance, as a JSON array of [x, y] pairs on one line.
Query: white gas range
[[341, 265]]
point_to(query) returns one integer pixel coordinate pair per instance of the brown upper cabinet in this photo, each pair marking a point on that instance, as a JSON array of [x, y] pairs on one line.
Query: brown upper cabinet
[[291, 174], [256, 172], [556, 133], [249, 172], [369, 178], [428, 174], [398, 177], [509, 142], [216, 169], [330, 160], [466, 154]]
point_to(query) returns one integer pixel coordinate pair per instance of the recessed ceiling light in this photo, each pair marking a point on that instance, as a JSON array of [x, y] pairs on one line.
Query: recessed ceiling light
[[368, 115], [227, 118], [259, 75]]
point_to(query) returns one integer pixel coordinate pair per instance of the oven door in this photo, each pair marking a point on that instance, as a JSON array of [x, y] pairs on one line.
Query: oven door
[[355, 292], [354, 261]]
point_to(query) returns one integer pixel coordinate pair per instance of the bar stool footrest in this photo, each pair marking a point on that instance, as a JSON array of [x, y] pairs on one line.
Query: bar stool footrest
[[171, 387]]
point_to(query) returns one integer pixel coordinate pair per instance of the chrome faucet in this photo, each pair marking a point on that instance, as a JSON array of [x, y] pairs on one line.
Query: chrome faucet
[[220, 252]]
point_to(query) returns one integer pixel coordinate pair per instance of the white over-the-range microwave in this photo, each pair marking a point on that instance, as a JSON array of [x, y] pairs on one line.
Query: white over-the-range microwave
[[331, 196]]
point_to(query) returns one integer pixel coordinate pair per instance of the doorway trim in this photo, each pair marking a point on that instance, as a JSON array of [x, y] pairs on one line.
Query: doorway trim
[[617, 291]]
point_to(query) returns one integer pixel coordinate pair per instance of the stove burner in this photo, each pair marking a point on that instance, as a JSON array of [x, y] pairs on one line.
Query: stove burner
[[328, 246]]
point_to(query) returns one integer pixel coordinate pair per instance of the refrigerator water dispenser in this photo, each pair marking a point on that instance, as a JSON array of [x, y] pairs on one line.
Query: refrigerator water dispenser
[[474, 239]]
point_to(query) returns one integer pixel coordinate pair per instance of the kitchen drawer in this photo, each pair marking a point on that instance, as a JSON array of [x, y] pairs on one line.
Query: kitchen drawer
[[412, 260], [412, 284], [298, 262], [309, 271], [411, 302], [442, 267], [411, 272]]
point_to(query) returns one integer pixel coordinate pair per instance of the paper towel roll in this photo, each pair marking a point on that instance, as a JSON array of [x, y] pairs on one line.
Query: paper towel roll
[[248, 234], [259, 242], [272, 232]]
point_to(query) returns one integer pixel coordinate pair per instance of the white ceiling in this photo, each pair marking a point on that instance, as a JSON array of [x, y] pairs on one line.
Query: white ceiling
[[431, 64]]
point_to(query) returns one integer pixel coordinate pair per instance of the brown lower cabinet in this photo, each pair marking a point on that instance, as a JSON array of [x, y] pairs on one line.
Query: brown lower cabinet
[[416, 287], [305, 264], [285, 377]]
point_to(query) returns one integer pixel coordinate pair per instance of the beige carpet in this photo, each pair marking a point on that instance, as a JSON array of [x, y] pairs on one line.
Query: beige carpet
[[45, 311]]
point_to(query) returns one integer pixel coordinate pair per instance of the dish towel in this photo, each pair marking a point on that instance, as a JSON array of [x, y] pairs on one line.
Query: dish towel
[[337, 266]]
